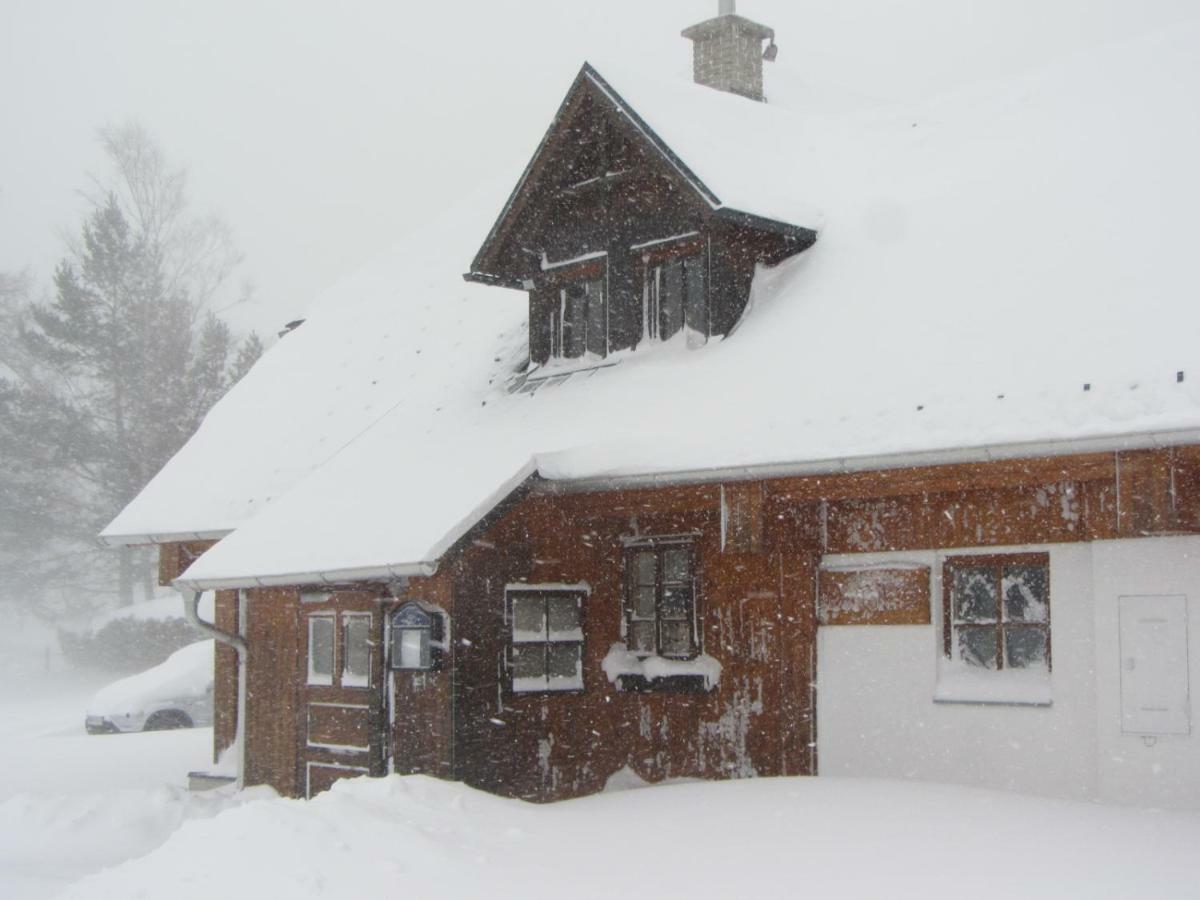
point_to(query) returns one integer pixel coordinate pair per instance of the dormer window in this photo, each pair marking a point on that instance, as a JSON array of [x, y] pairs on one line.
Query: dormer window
[[580, 324], [675, 293]]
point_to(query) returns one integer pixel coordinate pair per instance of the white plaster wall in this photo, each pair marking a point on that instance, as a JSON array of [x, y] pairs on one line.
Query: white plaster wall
[[1162, 771], [876, 715]]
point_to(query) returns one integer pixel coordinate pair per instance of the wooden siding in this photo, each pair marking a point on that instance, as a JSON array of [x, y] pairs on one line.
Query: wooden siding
[[225, 676], [875, 596], [422, 716], [756, 607], [174, 558], [273, 716]]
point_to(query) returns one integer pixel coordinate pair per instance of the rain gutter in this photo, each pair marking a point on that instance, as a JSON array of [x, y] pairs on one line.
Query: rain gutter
[[330, 577], [847, 465]]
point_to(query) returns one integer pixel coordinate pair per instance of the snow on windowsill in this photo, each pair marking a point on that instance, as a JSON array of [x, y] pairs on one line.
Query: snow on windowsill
[[619, 661], [958, 682]]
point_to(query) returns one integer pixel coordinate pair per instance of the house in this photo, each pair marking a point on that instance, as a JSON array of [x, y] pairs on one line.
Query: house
[[754, 442]]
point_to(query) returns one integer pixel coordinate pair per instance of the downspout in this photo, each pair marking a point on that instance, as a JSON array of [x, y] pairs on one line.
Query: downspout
[[191, 609]]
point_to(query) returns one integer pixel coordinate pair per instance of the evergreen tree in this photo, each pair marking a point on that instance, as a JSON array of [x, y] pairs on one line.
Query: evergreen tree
[[121, 364]]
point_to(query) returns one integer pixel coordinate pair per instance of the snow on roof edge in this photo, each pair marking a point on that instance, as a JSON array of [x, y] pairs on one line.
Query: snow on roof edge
[[544, 467]]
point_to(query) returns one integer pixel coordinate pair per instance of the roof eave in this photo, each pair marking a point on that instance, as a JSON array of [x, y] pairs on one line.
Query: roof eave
[[1151, 440], [166, 537]]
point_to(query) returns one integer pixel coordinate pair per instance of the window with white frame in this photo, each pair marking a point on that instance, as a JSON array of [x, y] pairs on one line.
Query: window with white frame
[[320, 649], [996, 611], [546, 651], [356, 652]]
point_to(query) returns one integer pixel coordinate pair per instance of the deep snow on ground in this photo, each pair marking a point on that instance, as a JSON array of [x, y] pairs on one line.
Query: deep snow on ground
[[72, 803], [101, 817], [827, 838]]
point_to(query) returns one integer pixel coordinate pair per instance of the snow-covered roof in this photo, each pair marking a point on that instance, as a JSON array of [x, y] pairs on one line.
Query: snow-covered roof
[[982, 258]]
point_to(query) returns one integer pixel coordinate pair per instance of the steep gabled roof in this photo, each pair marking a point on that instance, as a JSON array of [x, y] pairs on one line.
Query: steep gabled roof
[[983, 258], [727, 142]]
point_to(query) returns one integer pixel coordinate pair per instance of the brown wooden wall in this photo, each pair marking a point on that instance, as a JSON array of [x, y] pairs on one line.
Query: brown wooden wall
[[756, 615], [757, 607], [273, 719], [225, 678]]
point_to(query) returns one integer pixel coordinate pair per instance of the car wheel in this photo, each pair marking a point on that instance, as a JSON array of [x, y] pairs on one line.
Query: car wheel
[[168, 719]]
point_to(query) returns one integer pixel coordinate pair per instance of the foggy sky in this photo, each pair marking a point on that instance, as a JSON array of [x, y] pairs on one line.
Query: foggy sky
[[323, 131]]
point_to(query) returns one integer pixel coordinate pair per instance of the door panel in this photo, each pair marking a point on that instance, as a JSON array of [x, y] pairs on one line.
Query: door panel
[[1154, 665]]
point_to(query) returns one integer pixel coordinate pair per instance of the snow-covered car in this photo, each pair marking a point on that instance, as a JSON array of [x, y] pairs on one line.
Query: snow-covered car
[[177, 693]]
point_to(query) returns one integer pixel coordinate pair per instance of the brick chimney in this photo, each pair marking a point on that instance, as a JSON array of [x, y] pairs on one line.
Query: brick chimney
[[728, 53]]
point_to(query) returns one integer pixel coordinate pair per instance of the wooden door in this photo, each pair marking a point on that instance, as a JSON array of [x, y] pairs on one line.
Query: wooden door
[[341, 696]]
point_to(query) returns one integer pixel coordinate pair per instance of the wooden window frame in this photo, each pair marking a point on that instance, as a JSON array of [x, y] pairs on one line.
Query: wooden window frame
[[545, 592], [555, 283], [997, 562], [659, 546], [653, 260]]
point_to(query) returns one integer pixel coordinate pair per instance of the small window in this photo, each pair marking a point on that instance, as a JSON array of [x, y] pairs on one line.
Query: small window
[[580, 324], [996, 611], [356, 654], [660, 600], [547, 640], [675, 294], [320, 650]]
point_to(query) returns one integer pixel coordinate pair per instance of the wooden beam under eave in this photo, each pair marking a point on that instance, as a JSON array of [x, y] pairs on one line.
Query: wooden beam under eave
[[944, 479]]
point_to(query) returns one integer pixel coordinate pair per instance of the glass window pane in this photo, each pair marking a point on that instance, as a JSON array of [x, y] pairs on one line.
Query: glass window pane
[[1024, 647], [320, 646], [671, 299], [677, 565], [977, 646], [643, 602], [676, 638], [641, 637], [529, 617], [564, 661], [974, 593], [530, 661], [412, 648], [1026, 594], [356, 637], [597, 318], [563, 616], [676, 603], [696, 305], [645, 567]]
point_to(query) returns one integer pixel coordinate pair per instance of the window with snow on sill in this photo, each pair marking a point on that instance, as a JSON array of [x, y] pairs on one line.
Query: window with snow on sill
[[623, 667]]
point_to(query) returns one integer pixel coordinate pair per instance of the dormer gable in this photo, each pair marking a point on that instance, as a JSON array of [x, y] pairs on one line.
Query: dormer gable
[[619, 243]]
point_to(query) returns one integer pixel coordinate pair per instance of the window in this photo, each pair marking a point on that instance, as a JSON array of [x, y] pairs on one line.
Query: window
[[996, 611], [660, 599], [547, 640], [349, 659], [320, 650], [676, 295], [356, 654], [580, 323]]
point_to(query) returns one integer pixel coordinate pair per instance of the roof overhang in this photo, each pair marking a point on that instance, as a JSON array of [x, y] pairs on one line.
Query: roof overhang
[[332, 577], [171, 537], [545, 482], [852, 464]]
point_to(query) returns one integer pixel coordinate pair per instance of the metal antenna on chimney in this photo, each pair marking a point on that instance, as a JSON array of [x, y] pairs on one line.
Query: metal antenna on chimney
[[727, 8]]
